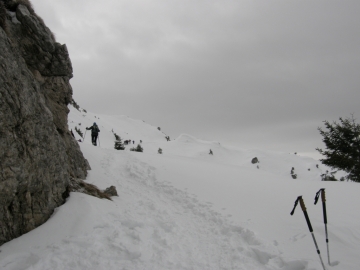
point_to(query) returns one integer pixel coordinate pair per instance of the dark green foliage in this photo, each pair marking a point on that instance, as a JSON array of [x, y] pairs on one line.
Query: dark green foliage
[[167, 138], [117, 137], [137, 149], [328, 176], [118, 143], [79, 132], [342, 147]]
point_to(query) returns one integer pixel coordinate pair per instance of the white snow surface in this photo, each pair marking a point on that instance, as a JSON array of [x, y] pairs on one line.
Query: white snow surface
[[186, 209]]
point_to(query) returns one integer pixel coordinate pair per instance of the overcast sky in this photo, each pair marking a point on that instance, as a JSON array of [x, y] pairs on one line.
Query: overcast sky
[[262, 74]]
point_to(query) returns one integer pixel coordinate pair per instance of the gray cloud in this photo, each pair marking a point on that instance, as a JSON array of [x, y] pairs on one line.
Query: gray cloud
[[263, 73]]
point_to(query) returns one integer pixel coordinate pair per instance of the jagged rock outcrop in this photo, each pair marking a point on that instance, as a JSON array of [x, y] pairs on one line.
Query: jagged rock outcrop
[[38, 155]]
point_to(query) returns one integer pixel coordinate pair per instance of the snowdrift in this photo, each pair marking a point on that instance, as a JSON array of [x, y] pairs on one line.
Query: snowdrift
[[186, 209]]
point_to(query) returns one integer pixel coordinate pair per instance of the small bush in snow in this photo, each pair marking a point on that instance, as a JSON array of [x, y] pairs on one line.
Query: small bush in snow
[[328, 176], [75, 105], [137, 149], [160, 151], [79, 132], [118, 143]]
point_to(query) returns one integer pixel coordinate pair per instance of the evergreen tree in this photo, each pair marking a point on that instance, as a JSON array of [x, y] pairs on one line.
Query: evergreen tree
[[139, 148], [118, 143], [342, 151]]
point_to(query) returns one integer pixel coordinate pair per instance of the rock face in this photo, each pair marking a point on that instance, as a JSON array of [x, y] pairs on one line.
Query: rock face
[[38, 155]]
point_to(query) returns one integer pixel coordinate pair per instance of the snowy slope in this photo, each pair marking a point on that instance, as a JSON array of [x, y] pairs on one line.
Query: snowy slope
[[186, 209]]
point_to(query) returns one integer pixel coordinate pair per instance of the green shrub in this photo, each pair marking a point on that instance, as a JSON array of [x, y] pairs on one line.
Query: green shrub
[[328, 176], [118, 143], [75, 105], [79, 132], [342, 142], [137, 149]]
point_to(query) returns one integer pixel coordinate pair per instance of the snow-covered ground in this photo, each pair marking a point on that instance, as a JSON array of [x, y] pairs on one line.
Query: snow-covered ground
[[186, 209]]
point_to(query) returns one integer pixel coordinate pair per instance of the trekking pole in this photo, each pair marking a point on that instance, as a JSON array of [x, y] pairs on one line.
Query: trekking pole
[[99, 140], [302, 204], [84, 135], [322, 191]]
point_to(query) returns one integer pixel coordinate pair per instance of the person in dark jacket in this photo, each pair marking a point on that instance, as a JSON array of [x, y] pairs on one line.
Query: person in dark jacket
[[94, 133]]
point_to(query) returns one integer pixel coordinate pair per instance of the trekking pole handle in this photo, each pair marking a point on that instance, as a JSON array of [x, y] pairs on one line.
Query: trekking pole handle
[[323, 199], [322, 191], [302, 204], [295, 204]]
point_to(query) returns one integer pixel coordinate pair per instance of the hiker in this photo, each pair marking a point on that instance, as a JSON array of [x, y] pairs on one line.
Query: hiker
[[94, 133]]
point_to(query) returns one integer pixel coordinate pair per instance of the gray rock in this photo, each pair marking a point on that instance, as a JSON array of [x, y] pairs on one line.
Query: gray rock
[[254, 160], [111, 191], [38, 155], [39, 32]]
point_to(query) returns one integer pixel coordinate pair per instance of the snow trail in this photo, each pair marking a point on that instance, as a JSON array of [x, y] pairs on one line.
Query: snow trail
[[186, 209]]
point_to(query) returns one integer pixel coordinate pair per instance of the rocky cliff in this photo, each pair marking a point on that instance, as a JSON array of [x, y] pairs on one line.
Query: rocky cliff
[[38, 155]]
